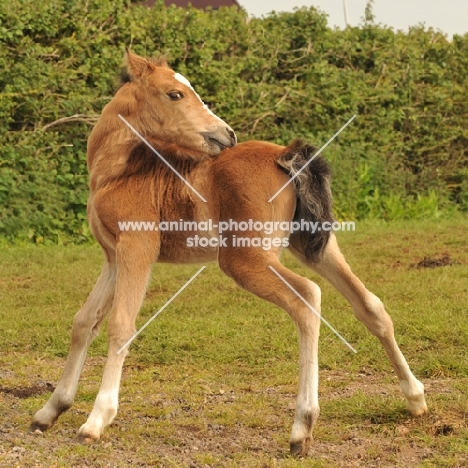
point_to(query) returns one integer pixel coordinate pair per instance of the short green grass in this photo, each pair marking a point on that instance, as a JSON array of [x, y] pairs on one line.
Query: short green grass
[[212, 382]]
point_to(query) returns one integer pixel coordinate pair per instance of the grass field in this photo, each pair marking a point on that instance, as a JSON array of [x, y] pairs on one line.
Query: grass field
[[212, 382]]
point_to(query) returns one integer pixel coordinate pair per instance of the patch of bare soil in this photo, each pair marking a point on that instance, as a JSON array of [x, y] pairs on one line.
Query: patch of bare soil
[[434, 262], [27, 392]]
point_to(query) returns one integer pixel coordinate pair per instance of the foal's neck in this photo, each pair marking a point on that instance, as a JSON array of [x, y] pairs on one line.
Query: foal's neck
[[116, 152]]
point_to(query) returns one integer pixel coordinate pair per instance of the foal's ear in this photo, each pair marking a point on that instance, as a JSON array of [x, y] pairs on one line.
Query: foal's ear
[[138, 66]]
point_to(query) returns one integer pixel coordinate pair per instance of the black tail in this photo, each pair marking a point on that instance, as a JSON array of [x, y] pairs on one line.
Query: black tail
[[313, 194]]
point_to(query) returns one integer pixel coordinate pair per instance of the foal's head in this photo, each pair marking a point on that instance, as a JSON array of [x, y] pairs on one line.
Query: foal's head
[[162, 105]]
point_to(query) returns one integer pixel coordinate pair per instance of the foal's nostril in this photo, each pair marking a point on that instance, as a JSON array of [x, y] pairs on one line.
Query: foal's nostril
[[232, 136]]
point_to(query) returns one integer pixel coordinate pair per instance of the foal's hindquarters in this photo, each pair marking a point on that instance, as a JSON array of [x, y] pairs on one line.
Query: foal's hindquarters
[[239, 184], [260, 272]]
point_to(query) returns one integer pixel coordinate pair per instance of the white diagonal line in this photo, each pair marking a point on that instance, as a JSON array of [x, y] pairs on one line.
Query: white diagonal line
[[312, 158], [313, 310], [161, 309], [158, 154]]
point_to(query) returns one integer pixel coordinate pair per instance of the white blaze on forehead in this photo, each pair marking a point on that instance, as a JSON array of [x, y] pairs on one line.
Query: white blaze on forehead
[[186, 82], [183, 80]]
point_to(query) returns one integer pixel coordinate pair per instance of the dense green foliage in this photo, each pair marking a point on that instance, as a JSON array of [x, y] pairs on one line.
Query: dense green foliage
[[277, 78]]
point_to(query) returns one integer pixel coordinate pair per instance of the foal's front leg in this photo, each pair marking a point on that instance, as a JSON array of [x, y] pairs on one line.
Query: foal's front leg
[[134, 260], [85, 329]]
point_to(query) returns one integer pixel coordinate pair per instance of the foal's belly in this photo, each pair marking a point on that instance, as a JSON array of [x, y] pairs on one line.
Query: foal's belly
[[188, 247]]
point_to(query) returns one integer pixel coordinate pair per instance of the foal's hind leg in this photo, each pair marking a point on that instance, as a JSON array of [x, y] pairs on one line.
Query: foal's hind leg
[[134, 259], [250, 268], [369, 309], [85, 328]]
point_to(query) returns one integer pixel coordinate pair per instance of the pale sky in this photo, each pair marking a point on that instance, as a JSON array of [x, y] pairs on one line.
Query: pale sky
[[450, 16]]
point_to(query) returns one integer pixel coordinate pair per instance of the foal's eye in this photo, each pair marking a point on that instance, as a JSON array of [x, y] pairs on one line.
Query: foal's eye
[[175, 95]]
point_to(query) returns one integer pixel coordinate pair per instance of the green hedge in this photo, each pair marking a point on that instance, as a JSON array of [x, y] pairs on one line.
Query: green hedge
[[277, 78]]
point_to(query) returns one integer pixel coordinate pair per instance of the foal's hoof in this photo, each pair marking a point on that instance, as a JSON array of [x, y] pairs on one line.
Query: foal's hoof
[[415, 398], [86, 439], [300, 448], [416, 405], [87, 435], [417, 410], [38, 428]]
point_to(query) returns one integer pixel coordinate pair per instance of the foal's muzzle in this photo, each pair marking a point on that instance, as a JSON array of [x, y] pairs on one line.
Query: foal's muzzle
[[222, 138]]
